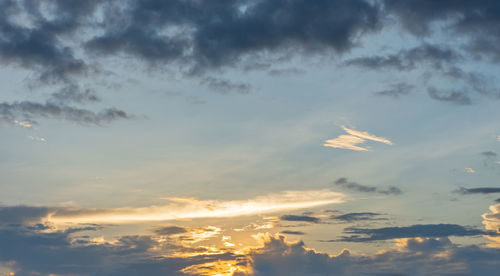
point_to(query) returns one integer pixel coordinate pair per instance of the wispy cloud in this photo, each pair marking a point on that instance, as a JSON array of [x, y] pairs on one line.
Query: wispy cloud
[[351, 185], [186, 208], [482, 190], [354, 138], [470, 170], [36, 138], [26, 124], [413, 231]]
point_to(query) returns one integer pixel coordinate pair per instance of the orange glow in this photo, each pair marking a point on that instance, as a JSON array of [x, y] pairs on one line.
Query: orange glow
[[188, 208], [220, 268]]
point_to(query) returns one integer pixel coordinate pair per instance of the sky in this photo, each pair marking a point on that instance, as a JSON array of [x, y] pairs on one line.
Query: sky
[[249, 137]]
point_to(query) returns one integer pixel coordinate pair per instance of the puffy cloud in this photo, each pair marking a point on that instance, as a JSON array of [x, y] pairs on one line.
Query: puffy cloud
[[418, 256]]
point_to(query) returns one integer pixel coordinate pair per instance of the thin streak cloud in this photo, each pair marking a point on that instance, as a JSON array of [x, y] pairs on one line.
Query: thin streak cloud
[[354, 138], [189, 208]]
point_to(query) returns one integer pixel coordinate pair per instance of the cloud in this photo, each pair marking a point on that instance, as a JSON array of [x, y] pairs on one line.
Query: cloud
[[224, 86], [489, 154], [38, 249], [489, 158], [436, 55], [355, 217], [49, 110], [355, 137], [36, 138], [412, 231], [344, 182], [455, 97], [475, 22], [300, 218], [491, 222], [482, 190], [292, 232], [366, 135], [397, 90], [418, 256], [470, 170], [223, 34], [73, 93], [26, 124], [185, 208], [170, 230], [346, 142]]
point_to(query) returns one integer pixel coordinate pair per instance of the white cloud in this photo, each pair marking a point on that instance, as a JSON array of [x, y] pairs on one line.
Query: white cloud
[[354, 138], [36, 138], [366, 135], [470, 170], [346, 142], [26, 124], [187, 208]]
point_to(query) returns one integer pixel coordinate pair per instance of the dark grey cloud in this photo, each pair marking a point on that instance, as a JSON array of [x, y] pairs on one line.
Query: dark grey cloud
[[300, 218], [412, 231], [32, 110], [40, 47], [397, 90], [73, 93], [391, 190], [170, 230], [417, 257], [435, 55], [345, 183], [21, 214], [222, 86], [355, 217], [29, 247], [497, 200], [482, 190], [293, 232], [475, 21], [489, 154], [220, 33], [455, 97]]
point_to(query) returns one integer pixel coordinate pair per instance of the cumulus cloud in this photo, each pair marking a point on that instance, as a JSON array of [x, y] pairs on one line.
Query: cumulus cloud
[[418, 256], [31, 248], [354, 138]]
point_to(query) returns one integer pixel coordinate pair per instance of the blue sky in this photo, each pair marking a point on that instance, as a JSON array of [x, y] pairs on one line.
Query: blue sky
[[249, 137]]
